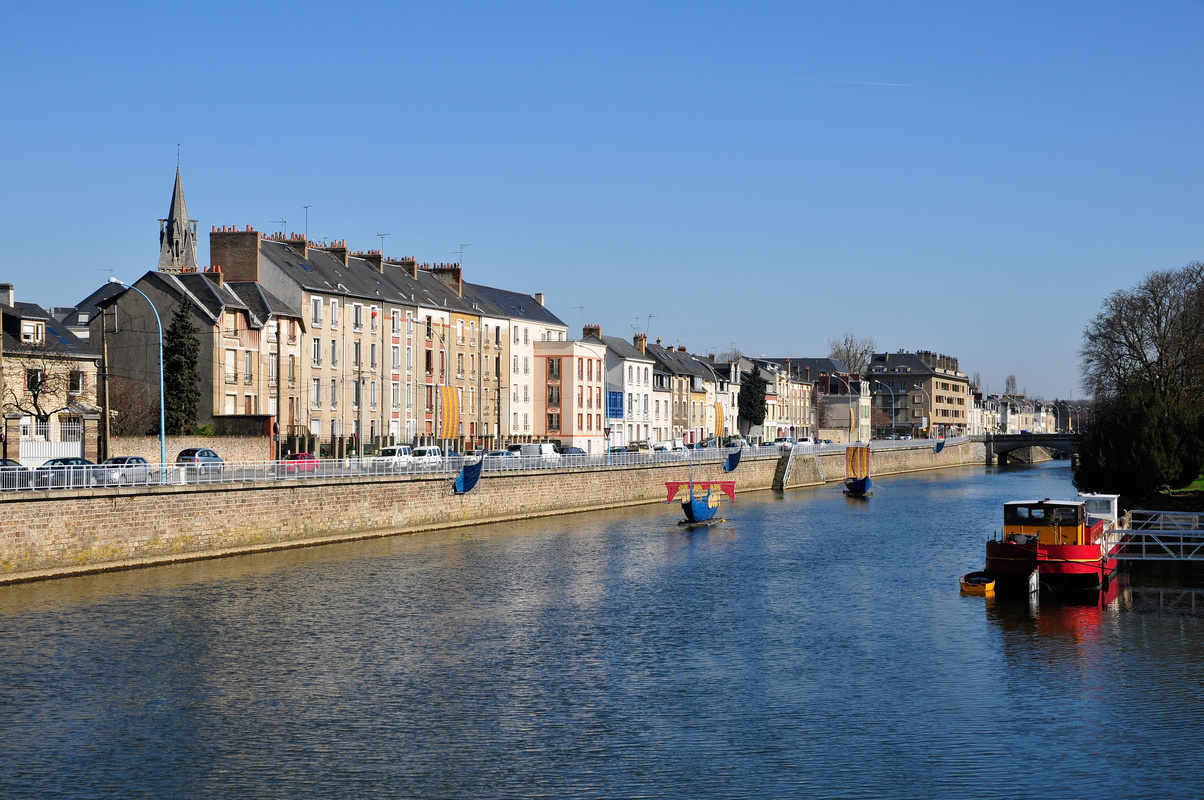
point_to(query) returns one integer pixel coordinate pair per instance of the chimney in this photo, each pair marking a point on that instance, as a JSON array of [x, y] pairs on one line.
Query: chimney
[[681, 348], [297, 242], [641, 342], [214, 274], [588, 330], [658, 341], [7, 296], [236, 251], [337, 249], [408, 265], [450, 274], [374, 259], [539, 300]]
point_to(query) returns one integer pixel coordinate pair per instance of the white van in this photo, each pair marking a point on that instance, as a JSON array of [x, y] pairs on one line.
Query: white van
[[427, 455], [545, 451], [393, 458], [670, 444]]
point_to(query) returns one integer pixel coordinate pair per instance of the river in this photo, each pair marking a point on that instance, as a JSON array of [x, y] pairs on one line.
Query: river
[[810, 645]]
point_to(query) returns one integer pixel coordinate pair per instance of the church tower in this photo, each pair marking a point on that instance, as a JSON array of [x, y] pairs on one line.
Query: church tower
[[177, 235]]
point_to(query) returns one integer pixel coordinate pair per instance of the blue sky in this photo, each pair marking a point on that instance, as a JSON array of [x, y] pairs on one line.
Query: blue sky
[[964, 178]]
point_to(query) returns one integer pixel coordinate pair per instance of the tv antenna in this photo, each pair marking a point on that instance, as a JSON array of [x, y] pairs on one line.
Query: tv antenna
[[461, 258], [283, 223], [582, 310], [306, 222], [648, 326], [382, 236]]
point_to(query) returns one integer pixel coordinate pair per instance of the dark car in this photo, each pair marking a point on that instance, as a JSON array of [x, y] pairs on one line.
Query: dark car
[[299, 462], [14, 475], [65, 472], [571, 451], [200, 461], [122, 470]]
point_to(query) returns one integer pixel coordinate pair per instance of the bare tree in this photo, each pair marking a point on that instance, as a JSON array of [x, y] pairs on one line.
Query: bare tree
[[133, 406], [1009, 385], [49, 385], [976, 383], [855, 353], [1150, 336], [728, 356]]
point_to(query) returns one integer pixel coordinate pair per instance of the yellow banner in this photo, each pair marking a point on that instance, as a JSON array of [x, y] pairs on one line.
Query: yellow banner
[[449, 407]]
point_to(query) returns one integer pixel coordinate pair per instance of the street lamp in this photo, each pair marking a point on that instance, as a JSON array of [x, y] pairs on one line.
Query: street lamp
[[892, 405], [932, 408], [162, 406]]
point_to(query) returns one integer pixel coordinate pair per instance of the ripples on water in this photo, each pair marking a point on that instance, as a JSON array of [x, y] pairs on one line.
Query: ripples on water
[[811, 645]]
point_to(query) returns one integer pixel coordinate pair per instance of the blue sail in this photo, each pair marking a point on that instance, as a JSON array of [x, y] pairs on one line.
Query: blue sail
[[940, 445], [468, 477], [733, 460]]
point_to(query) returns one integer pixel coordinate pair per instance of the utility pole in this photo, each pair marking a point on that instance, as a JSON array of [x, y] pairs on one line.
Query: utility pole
[[104, 382]]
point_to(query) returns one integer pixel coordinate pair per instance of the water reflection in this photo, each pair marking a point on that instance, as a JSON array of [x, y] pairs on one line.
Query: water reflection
[[807, 645]]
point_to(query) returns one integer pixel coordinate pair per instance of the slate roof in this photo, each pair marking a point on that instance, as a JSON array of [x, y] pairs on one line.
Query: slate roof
[[908, 363], [59, 339], [677, 363], [262, 303], [624, 349], [90, 305], [811, 366]]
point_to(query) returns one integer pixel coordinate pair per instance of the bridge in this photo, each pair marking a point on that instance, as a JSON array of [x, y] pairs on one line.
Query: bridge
[[999, 445]]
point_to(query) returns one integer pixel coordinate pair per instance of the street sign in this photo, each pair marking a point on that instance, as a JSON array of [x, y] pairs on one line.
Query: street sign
[[606, 431]]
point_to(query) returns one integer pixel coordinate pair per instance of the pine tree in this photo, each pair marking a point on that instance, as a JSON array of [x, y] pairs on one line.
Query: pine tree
[[752, 398], [181, 378]]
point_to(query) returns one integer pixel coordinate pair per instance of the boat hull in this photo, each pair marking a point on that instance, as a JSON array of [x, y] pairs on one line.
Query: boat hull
[[1060, 567], [700, 510], [858, 487]]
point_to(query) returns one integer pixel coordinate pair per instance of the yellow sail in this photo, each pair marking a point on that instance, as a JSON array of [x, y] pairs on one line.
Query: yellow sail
[[857, 461]]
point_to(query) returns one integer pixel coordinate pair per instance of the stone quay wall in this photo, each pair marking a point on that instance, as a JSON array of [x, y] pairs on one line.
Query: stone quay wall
[[230, 448], [53, 534]]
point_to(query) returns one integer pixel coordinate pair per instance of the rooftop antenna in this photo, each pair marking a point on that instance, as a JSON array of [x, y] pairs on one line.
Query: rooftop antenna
[[382, 236], [635, 326], [461, 259], [648, 326], [582, 310], [306, 223], [283, 223]]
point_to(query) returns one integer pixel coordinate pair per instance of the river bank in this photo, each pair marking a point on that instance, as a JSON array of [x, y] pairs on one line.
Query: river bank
[[50, 535]]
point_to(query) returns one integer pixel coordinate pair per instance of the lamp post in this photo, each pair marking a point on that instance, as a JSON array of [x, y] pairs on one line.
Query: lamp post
[[892, 405], [931, 407], [162, 407]]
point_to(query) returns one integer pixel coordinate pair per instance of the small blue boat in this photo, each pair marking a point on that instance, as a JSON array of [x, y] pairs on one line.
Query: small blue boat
[[700, 509], [857, 482]]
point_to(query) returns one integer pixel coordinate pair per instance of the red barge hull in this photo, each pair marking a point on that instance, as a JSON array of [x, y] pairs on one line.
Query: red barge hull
[[1060, 567]]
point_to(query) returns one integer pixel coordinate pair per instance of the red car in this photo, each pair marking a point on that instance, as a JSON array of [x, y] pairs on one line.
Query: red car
[[299, 462]]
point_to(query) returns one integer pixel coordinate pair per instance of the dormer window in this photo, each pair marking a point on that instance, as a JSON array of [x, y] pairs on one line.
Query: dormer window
[[33, 332]]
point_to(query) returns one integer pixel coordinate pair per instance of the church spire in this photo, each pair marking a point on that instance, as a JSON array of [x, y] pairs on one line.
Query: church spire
[[177, 234]]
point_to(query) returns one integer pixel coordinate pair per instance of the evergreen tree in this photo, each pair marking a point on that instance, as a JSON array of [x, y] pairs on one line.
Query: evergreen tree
[[181, 378], [752, 398]]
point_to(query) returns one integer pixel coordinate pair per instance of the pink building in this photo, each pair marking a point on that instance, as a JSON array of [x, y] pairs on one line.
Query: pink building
[[571, 407]]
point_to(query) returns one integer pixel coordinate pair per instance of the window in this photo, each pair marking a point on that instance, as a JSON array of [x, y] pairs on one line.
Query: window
[[355, 354], [229, 323], [395, 321], [355, 394], [526, 423], [554, 369], [396, 357], [526, 338], [428, 327], [516, 342], [372, 394], [580, 368], [375, 317], [357, 316], [459, 331], [645, 376], [231, 366], [589, 370], [334, 393], [515, 420], [472, 365], [334, 314], [459, 365], [554, 396], [516, 365], [334, 352], [315, 305], [526, 366], [292, 368], [630, 374], [247, 373], [526, 393], [315, 394], [580, 397], [231, 406], [497, 335], [372, 356], [430, 366], [580, 422], [396, 394], [272, 367], [75, 384], [553, 421], [472, 333]]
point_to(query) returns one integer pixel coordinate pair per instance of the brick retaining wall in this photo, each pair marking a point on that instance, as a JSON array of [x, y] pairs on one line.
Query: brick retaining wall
[[60, 533], [230, 448]]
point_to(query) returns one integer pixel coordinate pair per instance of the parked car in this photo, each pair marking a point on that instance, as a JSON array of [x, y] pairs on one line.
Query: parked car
[[611, 450], [577, 451], [200, 461], [638, 447], [14, 474], [543, 450], [64, 472], [394, 458], [122, 470], [427, 455], [495, 455], [299, 462]]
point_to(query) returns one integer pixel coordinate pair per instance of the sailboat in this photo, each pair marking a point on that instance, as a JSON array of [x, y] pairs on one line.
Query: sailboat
[[857, 481], [701, 510]]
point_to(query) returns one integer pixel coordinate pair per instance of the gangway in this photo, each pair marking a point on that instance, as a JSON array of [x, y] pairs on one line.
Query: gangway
[[1160, 536]]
